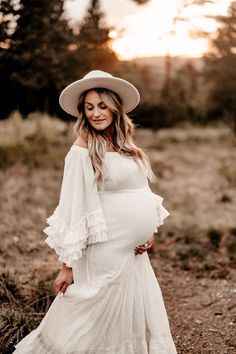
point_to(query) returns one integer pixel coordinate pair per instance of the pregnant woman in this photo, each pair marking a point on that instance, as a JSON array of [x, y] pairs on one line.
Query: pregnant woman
[[108, 299]]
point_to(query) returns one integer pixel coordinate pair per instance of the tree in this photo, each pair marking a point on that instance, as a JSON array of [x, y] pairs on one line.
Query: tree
[[220, 66], [93, 31], [94, 48], [36, 59], [42, 54]]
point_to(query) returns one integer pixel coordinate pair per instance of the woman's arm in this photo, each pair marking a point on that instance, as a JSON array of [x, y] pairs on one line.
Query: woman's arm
[[78, 219]]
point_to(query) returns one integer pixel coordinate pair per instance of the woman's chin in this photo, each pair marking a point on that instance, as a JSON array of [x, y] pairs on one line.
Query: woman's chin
[[101, 127]]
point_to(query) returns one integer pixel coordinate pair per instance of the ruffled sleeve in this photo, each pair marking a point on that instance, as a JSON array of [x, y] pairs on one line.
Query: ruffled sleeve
[[78, 219], [161, 211]]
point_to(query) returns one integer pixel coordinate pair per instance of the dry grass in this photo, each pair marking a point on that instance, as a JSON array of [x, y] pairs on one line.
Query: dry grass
[[21, 310]]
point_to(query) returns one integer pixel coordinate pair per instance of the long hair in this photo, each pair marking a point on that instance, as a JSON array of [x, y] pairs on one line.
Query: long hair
[[123, 128]]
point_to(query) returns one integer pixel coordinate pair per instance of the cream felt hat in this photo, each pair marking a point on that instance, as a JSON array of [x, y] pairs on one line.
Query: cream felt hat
[[98, 79]]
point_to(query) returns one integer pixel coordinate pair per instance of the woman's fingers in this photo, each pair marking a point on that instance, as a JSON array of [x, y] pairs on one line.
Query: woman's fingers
[[57, 287], [142, 248], [137, 251], [63, 279], [149, 246], [60, 287], [63, 289]]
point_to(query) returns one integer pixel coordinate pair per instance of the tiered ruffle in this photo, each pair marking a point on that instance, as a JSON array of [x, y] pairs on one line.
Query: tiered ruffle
[[70, 243]]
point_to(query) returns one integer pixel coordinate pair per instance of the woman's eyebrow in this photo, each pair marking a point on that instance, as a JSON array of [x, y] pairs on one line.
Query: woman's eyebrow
[[101, 102]]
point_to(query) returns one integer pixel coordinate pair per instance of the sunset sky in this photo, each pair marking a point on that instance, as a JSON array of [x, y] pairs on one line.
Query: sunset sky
[[148, 30]]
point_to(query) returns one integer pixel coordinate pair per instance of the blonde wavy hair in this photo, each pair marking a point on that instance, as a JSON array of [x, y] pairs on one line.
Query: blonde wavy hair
[[122, 139]]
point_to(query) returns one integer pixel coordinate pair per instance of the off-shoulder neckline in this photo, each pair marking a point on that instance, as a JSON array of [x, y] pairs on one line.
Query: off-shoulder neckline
[[85, 149]]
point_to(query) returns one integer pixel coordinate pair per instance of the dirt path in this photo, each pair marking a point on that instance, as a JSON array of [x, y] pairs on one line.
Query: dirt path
[[201, 310]]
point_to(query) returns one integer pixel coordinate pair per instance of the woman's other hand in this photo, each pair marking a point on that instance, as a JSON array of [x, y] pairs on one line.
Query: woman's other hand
[[142, 248], [63, 280]]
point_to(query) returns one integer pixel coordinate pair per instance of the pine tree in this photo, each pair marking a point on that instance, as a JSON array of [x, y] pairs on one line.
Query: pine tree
[[40, 54], [94, 43], [93, 31], [37, 63]]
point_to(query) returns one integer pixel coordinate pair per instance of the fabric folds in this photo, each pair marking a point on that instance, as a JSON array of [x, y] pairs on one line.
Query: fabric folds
[[78, 220]]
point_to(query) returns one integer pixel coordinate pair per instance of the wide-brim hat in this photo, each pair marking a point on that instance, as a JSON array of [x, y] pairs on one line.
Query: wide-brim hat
[[128, 93]]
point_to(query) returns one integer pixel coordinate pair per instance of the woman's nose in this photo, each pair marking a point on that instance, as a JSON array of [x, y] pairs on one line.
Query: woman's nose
[[96, 112]]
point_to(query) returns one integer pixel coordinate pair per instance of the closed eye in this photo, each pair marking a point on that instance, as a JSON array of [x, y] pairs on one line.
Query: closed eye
[[101, 105], [88, 106]]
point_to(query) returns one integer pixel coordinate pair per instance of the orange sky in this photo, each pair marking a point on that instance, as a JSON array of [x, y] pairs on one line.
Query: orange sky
[[148, 30]]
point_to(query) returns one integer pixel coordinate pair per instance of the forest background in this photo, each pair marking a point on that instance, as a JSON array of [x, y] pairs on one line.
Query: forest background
[[41, 53]]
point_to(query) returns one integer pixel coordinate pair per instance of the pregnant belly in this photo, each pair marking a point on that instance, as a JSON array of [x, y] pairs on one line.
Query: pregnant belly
[[131, 216], [131, 219]]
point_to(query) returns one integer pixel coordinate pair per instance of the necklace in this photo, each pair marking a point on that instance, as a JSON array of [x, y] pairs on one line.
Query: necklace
[[112, 144]]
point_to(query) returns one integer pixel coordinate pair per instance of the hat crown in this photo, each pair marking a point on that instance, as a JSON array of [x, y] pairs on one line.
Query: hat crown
[[96, 73], [128, 93]]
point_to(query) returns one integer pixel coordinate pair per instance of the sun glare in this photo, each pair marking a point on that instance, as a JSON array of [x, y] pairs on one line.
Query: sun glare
[[152, 29], [154, 32], [113, 34]]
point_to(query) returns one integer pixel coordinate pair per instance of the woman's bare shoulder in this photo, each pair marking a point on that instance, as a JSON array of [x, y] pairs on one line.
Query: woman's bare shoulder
[[80, 141]]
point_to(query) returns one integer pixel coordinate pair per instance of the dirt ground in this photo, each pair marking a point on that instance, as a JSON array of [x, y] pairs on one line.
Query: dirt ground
[[194, 256]]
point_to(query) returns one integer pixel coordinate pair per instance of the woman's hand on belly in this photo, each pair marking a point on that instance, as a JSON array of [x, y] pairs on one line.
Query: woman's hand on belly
[[143, 248]]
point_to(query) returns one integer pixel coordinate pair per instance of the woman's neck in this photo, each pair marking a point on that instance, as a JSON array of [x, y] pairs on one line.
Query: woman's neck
[[109, 133]]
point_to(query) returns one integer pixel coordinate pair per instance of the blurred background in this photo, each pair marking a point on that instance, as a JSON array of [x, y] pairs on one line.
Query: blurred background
[[181, 55]]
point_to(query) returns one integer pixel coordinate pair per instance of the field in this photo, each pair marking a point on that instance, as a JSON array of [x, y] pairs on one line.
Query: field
[[194, 256]]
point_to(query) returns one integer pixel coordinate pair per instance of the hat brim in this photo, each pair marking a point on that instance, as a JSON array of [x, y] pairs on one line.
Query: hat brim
[[128, 93]]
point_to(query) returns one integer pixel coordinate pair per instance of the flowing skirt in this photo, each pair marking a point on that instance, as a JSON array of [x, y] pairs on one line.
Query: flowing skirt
[[115, 305]]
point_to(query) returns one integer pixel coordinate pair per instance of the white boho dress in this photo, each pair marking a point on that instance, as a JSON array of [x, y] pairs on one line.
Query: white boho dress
[[114, 305]]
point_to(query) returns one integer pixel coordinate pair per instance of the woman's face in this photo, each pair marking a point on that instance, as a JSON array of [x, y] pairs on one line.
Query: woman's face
[[98, 114]]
